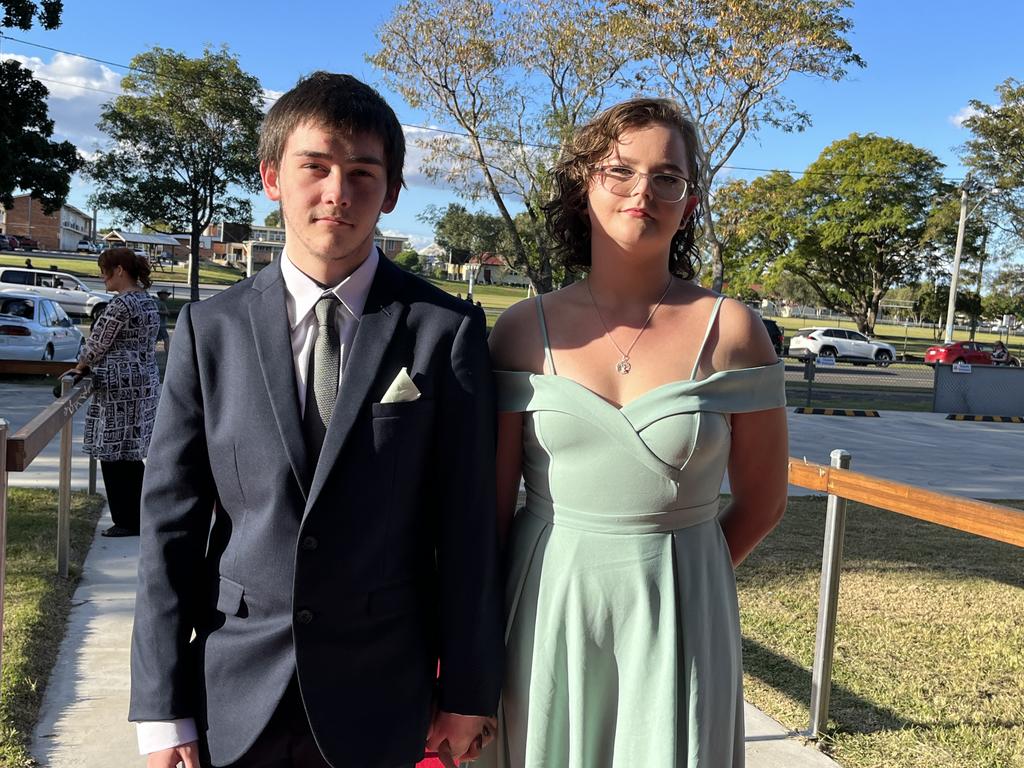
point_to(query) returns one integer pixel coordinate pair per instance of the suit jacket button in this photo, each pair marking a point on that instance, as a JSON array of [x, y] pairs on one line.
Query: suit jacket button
[[304, 616], [310, 543]]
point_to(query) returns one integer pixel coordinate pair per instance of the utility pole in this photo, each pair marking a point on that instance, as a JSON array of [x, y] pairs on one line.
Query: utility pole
[[955, 277]]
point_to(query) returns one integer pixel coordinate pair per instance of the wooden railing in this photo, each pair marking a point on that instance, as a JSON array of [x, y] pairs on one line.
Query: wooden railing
[[17, 452], [992, 521]]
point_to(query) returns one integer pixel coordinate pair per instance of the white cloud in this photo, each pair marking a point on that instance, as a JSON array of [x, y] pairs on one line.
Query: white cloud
[[964, 114], [269, 97], [78, 87]]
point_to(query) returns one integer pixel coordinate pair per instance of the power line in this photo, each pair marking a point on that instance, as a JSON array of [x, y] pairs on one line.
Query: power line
[[512, 142]]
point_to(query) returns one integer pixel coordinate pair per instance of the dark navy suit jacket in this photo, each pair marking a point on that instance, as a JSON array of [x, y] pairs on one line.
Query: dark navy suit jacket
[[358, 574]]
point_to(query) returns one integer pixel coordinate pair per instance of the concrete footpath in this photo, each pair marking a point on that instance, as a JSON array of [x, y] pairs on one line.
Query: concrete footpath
[[83, 719]]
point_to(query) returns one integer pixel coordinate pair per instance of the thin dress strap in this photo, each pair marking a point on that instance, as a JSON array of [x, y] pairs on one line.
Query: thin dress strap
[[707, 334], [544, 333]]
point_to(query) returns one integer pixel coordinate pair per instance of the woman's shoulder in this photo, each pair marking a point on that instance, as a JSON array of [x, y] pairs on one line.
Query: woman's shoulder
[[743, 341], [516, 341]]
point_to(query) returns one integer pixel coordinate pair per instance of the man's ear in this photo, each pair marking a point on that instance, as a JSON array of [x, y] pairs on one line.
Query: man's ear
[[390, 199], [269, 174]]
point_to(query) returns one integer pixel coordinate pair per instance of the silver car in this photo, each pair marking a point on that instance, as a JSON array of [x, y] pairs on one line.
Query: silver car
[[34, 328], [67, 290]]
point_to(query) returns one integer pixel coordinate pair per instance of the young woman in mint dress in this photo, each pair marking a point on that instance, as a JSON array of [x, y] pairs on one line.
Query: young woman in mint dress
[[624, 399]]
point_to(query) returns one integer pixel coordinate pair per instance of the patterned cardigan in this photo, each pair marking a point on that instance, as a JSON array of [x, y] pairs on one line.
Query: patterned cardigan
[[121, 351]]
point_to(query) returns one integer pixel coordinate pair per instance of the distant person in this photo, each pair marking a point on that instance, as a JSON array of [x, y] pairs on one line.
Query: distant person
[[121, 355], [161, 302], [28, 263], [1000, 355]]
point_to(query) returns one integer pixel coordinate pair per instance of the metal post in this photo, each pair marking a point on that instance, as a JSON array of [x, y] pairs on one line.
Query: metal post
[[3, 529], [831, 562], [92, 475], [64, 492], [955, 277]]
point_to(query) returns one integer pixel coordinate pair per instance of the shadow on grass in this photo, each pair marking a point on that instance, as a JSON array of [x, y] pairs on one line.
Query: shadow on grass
[[880, 540]]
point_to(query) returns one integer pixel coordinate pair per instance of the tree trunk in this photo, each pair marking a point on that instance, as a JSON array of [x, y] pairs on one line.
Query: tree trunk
[[714, 247], [193, 266]]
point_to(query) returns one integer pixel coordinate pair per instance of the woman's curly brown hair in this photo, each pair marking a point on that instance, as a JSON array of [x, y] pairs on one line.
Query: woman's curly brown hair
[[566, 214]]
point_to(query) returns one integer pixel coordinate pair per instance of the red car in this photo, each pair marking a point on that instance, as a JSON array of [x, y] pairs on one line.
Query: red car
[[971, 352]]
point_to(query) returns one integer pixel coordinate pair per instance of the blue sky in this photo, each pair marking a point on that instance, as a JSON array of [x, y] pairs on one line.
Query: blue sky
[[925, 61]]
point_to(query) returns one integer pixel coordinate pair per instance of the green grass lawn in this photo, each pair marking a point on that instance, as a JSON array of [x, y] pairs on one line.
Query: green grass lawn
[[208, 273], [929, 659], [36, 607]]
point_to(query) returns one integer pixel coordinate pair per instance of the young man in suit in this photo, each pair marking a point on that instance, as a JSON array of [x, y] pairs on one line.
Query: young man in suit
[[318, 518]]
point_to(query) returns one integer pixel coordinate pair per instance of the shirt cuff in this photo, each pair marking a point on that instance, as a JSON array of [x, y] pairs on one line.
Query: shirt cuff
[[163, 734]]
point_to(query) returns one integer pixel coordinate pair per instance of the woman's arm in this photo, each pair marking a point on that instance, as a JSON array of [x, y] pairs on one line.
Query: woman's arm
[[103, 333], [509, 469], [759, 457], [758, 479]]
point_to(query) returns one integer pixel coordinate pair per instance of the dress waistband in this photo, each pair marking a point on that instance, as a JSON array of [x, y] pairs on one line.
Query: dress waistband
[[664, 521]]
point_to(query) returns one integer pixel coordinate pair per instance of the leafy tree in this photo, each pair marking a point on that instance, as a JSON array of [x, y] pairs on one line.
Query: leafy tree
[[19, 13], [516, 78], [29, 159], [184, 131], [462, 233], [408, 260], [754, 229], [725, 62], [863, 209], [273, 219], [996, 153]]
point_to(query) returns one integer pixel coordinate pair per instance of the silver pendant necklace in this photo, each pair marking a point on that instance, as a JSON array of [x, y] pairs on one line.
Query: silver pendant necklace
[[623, 366]]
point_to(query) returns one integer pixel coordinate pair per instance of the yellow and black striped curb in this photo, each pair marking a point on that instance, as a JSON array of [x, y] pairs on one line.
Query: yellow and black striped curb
[[836, 412], [999, 419]]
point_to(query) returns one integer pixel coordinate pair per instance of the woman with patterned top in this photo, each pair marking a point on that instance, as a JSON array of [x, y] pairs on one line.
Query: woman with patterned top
[[121, 354]]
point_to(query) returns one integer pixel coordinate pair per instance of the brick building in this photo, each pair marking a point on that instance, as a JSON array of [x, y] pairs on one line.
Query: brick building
[[58, 231]]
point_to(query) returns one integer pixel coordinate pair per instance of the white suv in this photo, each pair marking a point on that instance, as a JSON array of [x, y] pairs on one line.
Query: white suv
[[74, 296], [841, 344]]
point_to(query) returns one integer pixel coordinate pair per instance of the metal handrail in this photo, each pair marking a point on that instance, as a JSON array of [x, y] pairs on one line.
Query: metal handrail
[[992, 521]]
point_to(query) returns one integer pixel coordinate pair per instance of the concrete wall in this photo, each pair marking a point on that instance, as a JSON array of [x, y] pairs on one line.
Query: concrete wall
[[985, 390]]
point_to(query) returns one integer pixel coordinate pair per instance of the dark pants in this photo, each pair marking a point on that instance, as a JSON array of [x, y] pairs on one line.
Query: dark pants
[[123, 481], [287, 741]]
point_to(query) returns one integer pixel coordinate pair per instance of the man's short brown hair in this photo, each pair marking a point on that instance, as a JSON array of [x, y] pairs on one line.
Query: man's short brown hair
[[336, 102]]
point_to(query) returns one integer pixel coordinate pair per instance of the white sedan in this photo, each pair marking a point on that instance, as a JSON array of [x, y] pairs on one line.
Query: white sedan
[[34, 328]]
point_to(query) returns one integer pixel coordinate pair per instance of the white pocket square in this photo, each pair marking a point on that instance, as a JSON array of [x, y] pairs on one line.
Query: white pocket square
[[402, 389]]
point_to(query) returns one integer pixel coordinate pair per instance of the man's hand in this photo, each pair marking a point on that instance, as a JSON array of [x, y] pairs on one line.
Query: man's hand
[[187, 754], [459, 737]]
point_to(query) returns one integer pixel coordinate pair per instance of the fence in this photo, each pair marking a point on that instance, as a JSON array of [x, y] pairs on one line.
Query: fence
[[822, 382], [17, 452], [977, 517]]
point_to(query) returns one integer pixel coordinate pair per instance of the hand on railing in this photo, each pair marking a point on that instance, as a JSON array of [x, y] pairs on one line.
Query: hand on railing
[[76, 374]]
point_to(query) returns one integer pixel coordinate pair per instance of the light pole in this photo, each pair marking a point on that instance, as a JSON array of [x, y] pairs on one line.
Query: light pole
[[965, 187]]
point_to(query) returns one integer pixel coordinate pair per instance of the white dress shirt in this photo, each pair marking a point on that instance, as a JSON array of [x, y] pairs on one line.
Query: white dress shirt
[[301, 295]]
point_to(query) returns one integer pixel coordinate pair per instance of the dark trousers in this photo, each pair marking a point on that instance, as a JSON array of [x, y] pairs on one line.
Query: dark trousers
[[123, 481], [287, 741]]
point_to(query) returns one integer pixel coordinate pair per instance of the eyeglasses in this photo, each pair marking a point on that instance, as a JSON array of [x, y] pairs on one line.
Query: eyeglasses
[[621, 180]]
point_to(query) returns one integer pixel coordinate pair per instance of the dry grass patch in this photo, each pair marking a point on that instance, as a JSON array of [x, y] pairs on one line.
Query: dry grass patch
[[929, 659]]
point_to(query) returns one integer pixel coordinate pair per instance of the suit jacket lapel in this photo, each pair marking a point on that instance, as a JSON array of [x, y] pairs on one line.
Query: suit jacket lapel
[[376, 329], [269, 319]]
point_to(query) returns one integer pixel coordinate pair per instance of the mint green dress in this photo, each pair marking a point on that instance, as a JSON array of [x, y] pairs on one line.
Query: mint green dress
[[623, 638]]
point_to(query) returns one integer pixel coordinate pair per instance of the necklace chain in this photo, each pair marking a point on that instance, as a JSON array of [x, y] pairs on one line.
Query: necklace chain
[[623, 366]]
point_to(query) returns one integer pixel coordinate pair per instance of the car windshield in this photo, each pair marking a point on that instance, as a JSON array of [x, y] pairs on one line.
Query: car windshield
[[23, 308]]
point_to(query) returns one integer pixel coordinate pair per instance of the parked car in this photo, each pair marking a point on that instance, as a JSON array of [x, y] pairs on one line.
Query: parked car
[[777, 336], [85, 245], [67, 290], [8, 243], [27, 243], [842, 344], [972, 352], [33, 328]]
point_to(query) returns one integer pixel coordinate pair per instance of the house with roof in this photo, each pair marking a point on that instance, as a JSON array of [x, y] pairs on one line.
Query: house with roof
[[152, 243], [57, 231], [487, 269]]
